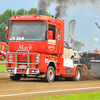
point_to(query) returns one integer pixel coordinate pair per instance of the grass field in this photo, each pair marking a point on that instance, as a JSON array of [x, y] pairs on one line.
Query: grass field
[[79, 96], [2, 68]]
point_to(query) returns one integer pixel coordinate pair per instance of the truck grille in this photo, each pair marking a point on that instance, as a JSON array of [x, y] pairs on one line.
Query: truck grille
[[23, 58], [20, 57]]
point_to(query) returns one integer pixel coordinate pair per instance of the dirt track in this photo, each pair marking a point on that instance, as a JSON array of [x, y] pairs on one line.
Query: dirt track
[[8, 86], [2, 63]]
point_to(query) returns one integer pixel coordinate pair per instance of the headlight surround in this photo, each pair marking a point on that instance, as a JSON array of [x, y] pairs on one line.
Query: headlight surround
[[10, 57]]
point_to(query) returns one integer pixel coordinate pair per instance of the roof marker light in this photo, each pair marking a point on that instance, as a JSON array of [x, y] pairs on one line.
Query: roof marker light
[[38, 17], [49, 20], [17, 17]]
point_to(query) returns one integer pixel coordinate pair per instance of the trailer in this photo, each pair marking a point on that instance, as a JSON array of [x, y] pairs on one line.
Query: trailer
[[90, 63]]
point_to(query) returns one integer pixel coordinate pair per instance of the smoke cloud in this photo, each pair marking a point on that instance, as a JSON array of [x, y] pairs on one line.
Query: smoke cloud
[[43, 6], [63, 5]]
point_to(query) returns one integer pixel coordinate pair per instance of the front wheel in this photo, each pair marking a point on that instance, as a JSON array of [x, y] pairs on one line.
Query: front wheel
[[17, 77], [50, 74], [77, 76]]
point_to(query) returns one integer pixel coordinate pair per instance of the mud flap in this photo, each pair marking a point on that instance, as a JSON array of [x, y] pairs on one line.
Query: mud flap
[[95, 68]]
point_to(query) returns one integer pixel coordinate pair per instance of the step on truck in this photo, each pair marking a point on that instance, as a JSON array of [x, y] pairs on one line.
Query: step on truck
[[36, 48], [3, 50]]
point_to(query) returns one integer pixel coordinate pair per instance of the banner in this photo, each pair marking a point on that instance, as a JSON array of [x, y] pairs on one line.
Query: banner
[[71, 33]]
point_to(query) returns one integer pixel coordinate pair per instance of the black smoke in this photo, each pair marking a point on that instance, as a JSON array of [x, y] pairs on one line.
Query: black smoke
[[43, 6], [62, 5]]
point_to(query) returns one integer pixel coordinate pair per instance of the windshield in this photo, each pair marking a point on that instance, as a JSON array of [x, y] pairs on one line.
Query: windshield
[[28, 31]]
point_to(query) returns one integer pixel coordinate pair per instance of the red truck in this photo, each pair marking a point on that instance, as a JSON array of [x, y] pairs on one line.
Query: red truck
[[3, 50], [36, 48]]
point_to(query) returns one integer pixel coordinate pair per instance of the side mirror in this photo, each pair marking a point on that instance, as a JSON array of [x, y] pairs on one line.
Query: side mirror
[[7, 33], [50, 35]]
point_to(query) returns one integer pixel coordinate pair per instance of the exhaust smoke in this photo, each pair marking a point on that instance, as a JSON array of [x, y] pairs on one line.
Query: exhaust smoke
[[43, 6], [61, 6]]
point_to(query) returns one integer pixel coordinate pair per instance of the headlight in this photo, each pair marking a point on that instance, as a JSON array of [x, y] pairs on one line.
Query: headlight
[[13, 70], [10, 57], [33, 71], [9, 70], [10, 60], [37, 61], [37, 57]]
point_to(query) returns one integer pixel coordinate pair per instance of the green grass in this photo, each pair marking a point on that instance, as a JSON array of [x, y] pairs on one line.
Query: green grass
[[79, 96], [2, 68]]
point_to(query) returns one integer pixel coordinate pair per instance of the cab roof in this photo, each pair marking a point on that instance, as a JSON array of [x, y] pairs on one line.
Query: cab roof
[[35, 18], [3, 43]]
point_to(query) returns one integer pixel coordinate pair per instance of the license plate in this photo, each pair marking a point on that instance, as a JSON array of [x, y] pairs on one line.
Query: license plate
[[22, 66]]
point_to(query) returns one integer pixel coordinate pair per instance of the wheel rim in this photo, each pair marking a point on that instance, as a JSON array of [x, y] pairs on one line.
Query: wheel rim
[[77, 74], [51, 74], [2, 57]]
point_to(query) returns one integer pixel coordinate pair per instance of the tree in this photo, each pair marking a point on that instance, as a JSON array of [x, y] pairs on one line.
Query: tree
[[13, 12], [32, 11], [6, 16], [77, 45], [21, 12], [2, 32], [47, 14]]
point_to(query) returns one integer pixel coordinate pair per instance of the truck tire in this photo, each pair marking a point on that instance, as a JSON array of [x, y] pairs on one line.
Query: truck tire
[[50, 74], [3, 58], [17, 77], [77, 76]]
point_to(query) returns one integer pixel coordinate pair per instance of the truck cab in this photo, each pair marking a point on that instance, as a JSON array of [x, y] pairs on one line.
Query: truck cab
[[3, 50], [36, 46]]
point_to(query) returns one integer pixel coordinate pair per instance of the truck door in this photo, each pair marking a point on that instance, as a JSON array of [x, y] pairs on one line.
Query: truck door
[[51, 42]]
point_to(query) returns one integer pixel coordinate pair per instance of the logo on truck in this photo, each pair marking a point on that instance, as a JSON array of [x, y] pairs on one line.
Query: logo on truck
[[22, 47], [51, 48]]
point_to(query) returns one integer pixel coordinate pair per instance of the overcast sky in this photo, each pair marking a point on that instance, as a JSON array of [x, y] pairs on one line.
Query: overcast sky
[[85, 15]]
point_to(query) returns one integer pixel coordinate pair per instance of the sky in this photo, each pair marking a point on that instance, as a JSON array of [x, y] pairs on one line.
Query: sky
[[85, 16]]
